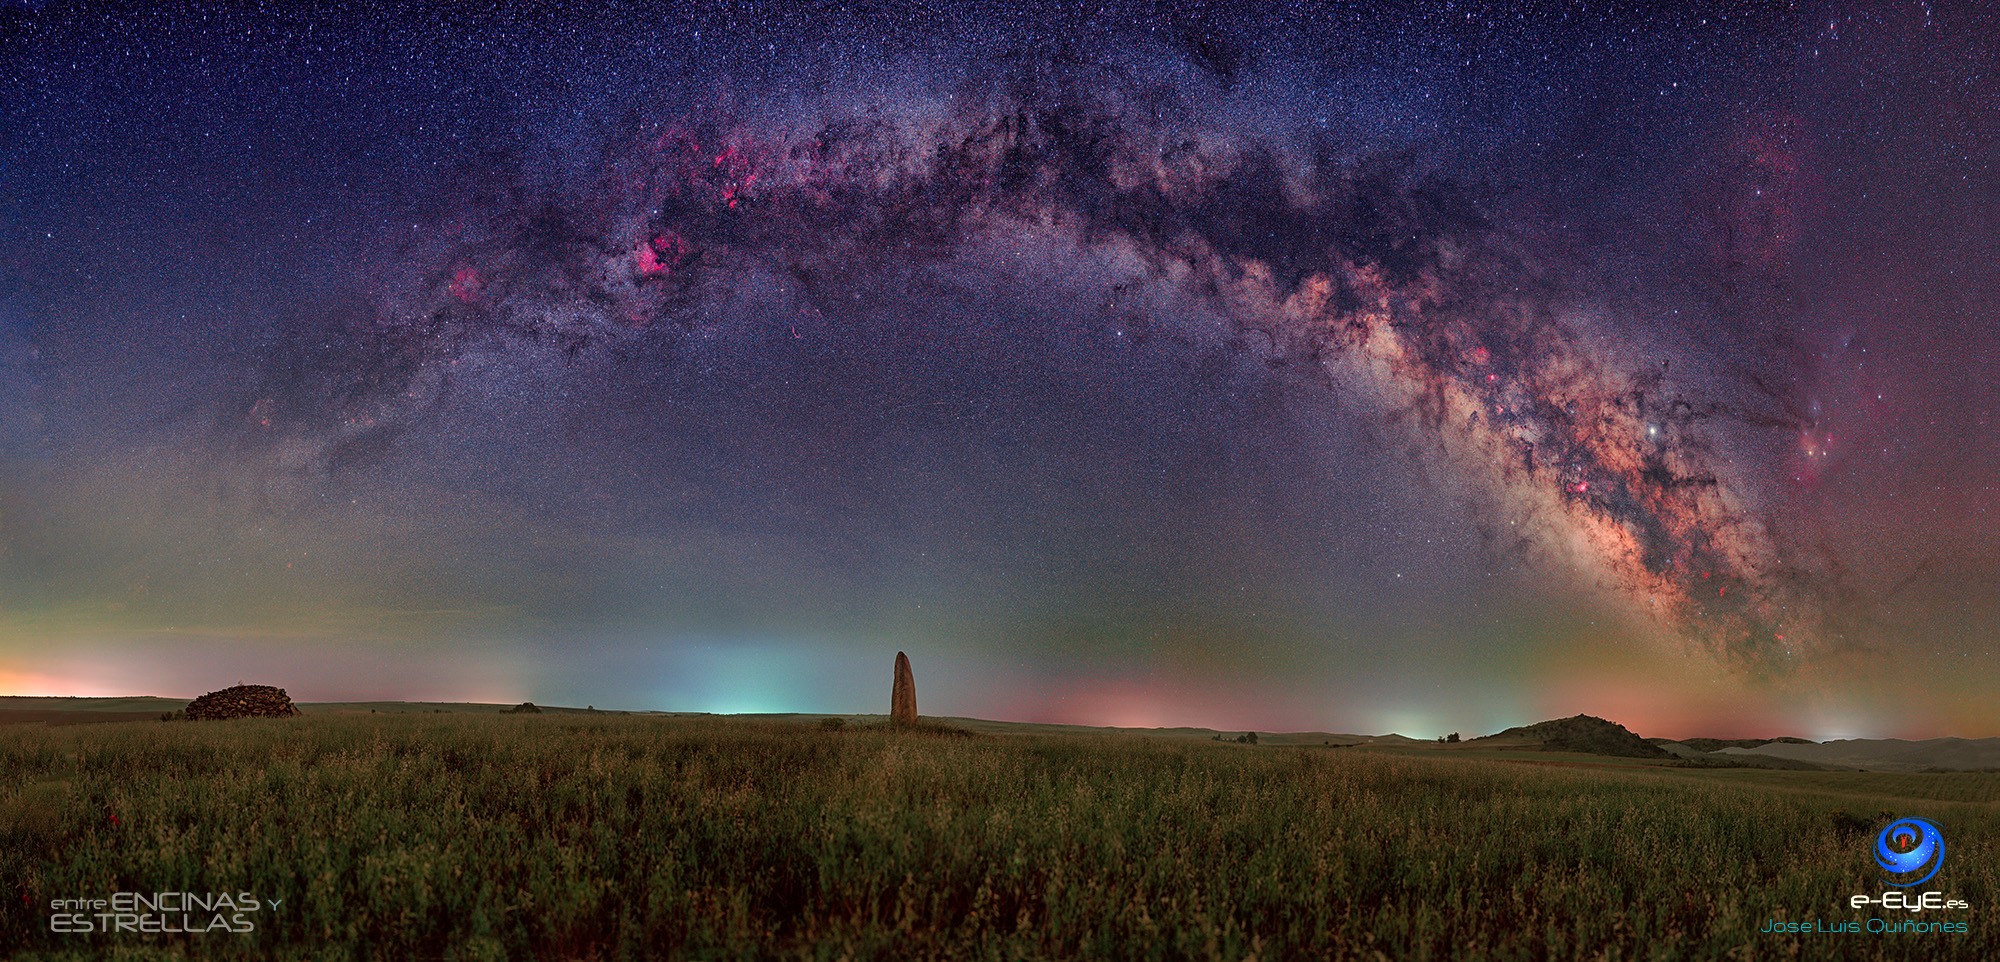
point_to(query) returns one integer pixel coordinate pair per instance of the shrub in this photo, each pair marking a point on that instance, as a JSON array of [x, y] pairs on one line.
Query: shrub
[[1847, 824]]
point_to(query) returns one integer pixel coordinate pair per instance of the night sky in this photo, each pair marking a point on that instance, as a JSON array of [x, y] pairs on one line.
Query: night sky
[[1392, 367]]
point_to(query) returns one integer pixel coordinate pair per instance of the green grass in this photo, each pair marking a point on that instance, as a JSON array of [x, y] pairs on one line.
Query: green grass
[[551, 837]]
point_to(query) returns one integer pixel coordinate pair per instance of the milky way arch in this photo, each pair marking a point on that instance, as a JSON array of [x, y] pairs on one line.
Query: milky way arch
[[1376, 272]]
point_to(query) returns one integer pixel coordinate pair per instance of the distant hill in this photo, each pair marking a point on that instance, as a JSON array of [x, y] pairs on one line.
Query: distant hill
[[53, 703], [1718, 744], [1745, 758], [1887, 754], [1582, 733]]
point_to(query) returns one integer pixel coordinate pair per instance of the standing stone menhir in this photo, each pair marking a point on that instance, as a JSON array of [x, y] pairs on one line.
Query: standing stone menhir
[[903, 698]]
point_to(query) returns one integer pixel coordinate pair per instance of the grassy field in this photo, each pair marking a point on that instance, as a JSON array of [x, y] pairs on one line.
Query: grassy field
[[559, 837]]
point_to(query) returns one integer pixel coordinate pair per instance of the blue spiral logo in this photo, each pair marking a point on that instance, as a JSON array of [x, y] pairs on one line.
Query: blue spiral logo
[[1906, 845]]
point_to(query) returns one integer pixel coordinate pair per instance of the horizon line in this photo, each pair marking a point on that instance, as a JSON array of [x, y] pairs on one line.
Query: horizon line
[[826, 714]]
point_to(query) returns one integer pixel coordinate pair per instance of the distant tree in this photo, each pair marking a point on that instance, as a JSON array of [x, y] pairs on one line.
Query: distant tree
[[1453, 737], [1252, 736]]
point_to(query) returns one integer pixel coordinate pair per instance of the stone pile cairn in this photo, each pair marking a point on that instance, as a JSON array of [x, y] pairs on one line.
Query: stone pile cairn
[[243, 701]]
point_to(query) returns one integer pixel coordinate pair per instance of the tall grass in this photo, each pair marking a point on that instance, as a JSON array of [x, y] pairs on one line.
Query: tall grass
[[460, 836]]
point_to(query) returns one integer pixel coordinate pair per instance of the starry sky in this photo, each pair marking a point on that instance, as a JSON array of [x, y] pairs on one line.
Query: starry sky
[[1391, 367]]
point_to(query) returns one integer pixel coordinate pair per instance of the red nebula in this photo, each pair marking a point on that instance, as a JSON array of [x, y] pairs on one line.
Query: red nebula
[[1767, 186], [465, 284], [662, 254]]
